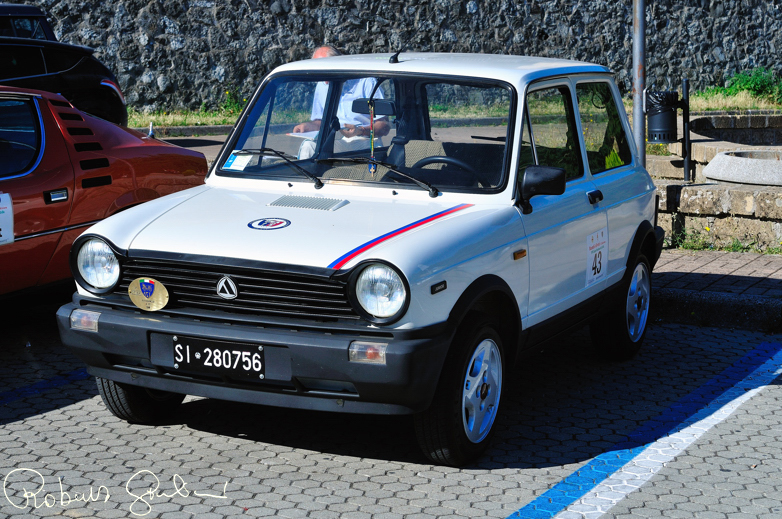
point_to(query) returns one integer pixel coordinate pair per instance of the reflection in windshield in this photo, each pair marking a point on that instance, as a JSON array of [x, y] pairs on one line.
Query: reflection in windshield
[[450, 135]]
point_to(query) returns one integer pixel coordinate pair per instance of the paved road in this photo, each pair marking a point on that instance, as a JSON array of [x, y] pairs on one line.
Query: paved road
[[568, 417]]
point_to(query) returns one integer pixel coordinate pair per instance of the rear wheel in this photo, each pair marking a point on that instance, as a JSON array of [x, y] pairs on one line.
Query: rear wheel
[[137, 404], [459, 424], [619, 334]]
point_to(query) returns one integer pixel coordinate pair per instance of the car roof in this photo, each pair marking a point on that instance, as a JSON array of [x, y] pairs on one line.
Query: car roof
[[513, 69], [19, 10]]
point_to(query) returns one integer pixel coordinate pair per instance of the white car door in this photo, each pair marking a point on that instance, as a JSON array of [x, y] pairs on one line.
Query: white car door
[[568, 234], [607, 142]]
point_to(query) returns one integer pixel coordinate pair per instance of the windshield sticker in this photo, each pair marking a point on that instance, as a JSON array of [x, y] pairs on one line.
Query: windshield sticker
[[6, 219], [341, 261], [597, 256], [237, 162], [269, 224]]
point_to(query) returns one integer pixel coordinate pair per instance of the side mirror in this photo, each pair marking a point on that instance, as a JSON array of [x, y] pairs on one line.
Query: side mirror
[[382, 106], [540, 180]]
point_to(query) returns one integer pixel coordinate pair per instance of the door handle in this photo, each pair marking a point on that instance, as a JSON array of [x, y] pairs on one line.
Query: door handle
[[595, 196], [58, 195]]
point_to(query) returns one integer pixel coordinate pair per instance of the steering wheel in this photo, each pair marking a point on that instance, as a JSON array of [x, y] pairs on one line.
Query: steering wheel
[[445, 160]]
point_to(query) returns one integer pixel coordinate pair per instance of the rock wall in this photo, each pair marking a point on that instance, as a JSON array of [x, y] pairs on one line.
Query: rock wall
[[189, 53]]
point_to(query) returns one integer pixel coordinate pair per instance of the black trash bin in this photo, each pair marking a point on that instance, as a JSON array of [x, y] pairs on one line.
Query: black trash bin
[[661, 116]]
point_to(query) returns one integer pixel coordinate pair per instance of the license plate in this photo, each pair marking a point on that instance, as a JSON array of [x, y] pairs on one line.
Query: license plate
[[231, 359]]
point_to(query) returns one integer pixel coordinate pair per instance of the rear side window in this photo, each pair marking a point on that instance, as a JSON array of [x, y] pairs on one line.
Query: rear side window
[[20, 136], [29, 28], [20, 61], [604, 137], [554, 134]]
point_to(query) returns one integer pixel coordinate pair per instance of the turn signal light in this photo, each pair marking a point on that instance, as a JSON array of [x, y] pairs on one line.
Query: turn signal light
[[85, 320], [367, 352]]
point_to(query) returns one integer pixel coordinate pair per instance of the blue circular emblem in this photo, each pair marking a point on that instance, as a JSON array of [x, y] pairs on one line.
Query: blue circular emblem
[[269, 224]]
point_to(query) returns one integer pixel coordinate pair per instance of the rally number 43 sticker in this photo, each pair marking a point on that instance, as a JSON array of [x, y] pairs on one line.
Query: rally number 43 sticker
[[597, 256]]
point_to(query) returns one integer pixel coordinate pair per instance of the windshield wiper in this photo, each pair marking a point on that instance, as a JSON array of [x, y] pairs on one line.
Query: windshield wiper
[[287, 158], [433, 192]]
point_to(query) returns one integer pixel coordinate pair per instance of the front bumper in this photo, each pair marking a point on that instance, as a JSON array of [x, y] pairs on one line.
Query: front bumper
[[306, 368]]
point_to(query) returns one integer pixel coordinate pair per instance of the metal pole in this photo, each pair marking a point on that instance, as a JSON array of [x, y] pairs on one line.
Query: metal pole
[[687, 147], [639, 77]]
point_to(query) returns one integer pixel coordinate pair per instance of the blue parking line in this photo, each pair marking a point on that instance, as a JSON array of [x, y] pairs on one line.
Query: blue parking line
[[44, 385], [690, 409]]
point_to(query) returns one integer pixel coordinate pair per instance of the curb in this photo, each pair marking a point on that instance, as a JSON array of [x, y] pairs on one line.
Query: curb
[[720, 309], [187, 131]]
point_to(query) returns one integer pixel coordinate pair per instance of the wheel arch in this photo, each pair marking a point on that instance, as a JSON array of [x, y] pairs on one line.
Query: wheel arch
[[491, 296], [644, 242]]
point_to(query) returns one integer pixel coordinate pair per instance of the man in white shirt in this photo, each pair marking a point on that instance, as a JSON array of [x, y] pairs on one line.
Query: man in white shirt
[[351, 124]]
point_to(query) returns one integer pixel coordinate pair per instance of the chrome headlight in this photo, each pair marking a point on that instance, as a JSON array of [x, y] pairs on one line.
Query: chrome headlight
[[381, 291], [97, 264]]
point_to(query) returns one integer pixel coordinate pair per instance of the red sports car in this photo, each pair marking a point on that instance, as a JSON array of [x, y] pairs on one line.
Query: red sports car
[[61, 171]]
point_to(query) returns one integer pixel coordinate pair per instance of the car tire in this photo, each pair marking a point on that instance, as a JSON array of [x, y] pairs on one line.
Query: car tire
[[619, 334], [137, 404], [460, 422]]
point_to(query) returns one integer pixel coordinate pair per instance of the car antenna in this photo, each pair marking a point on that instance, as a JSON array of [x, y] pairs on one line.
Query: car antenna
[[395, 57]]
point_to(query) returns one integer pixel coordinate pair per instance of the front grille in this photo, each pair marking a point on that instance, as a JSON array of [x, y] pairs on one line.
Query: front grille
[[260, 291]]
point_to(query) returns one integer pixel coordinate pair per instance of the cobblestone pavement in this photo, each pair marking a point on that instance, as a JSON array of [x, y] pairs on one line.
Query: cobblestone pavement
[[718, 271], [566, 408]]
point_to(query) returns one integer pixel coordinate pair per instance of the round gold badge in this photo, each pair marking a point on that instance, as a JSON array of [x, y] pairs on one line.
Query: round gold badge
[[148, 294]]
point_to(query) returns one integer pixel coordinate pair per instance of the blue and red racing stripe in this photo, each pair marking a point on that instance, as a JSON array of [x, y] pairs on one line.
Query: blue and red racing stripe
[[342, 260]]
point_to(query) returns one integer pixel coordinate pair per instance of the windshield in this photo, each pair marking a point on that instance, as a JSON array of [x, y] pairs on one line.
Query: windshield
[[410, 132]]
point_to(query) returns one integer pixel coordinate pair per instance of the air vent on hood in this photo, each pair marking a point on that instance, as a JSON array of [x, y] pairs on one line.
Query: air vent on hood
[[309, 202]]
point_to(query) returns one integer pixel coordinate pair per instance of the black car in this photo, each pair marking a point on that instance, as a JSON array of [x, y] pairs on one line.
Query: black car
[[30, 57]]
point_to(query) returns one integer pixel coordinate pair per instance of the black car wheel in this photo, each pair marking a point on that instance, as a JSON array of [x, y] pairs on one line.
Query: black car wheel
[[620, 333], [459, 424], [137, 404]]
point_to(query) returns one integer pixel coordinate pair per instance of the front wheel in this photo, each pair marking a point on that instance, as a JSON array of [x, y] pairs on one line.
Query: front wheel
[[137, 404], [458, 425], [619, 334]]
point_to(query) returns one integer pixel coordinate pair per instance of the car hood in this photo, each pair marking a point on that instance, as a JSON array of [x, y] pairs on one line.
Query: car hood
[[286, 229]]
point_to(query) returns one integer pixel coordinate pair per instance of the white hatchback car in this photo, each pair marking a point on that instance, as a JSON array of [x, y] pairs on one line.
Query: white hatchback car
[[379, 237]]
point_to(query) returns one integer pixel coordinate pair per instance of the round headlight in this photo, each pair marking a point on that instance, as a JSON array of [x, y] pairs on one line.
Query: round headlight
[[97, 264], [380, 291]]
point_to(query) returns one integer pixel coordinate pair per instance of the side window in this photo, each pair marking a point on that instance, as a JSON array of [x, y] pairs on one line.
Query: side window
[[20, 61], [553, 130], [29, 28], [604, 137], [20, 138]]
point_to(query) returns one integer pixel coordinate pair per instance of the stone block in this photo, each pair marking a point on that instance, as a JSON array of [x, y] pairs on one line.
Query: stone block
[[774, 121], [768, 204], [758, 121], [723, 121], [722, 231], [764, 137], [742, 201], [705, 199], [741, 121]]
